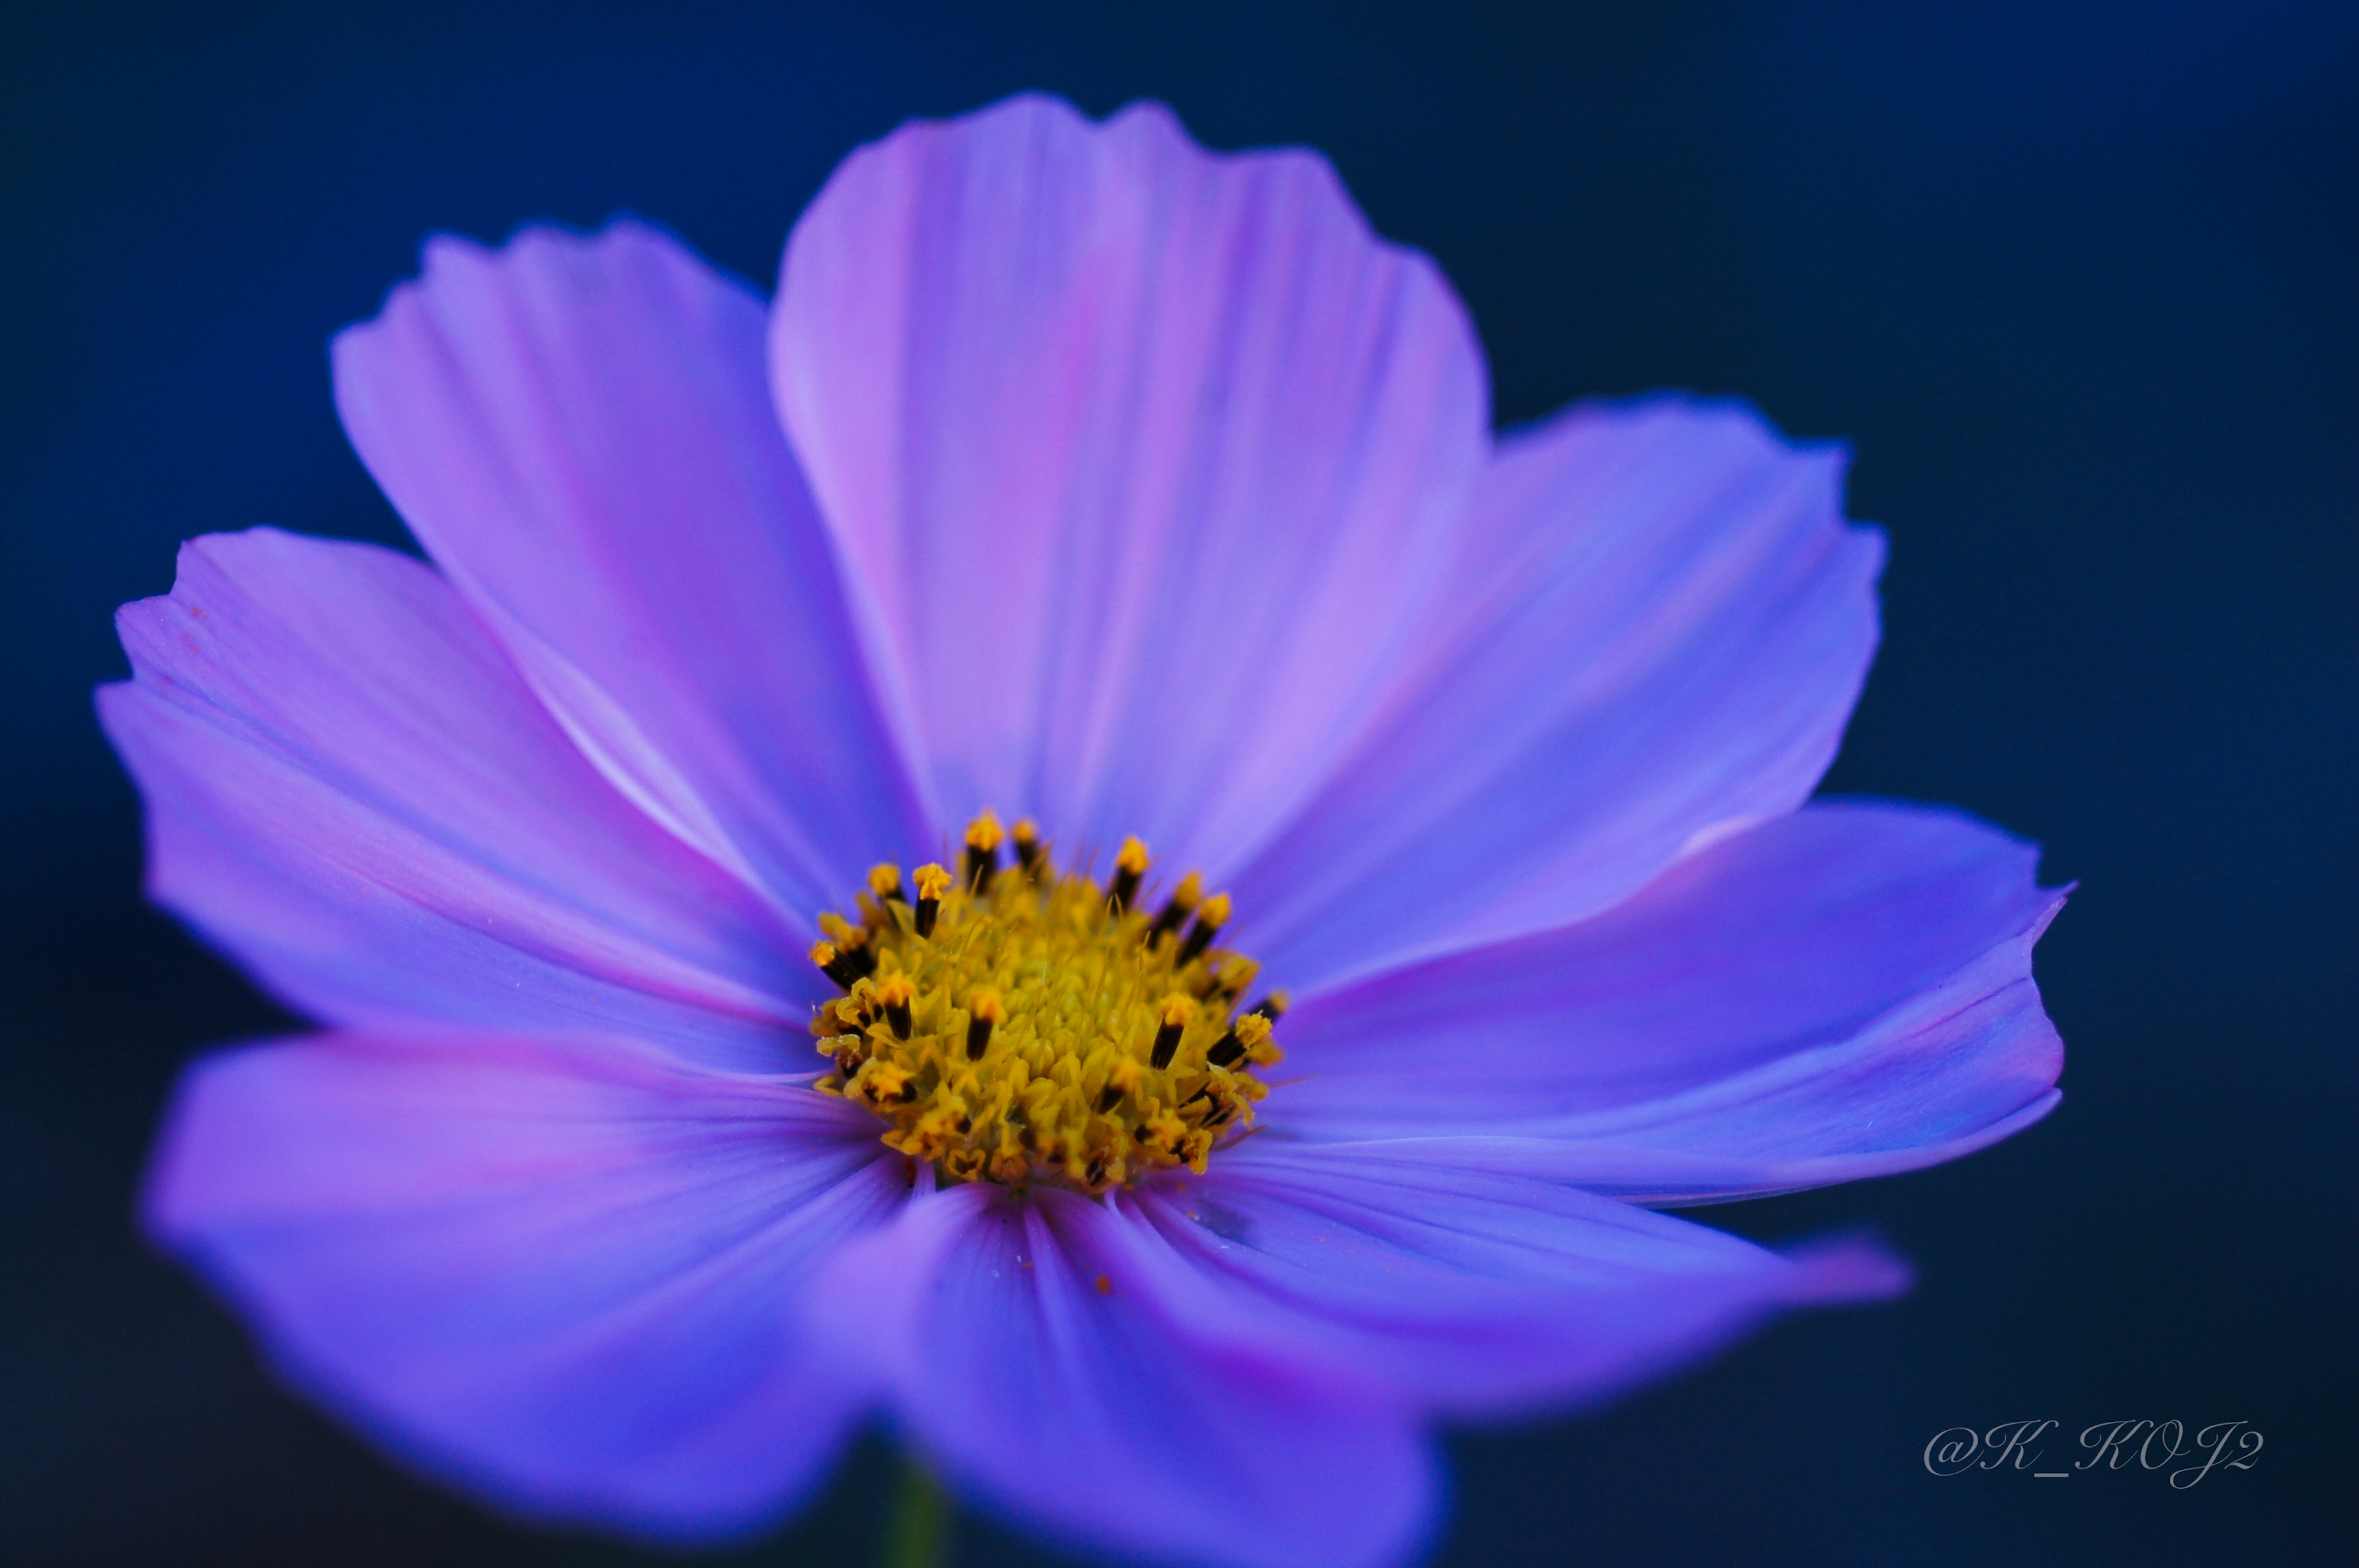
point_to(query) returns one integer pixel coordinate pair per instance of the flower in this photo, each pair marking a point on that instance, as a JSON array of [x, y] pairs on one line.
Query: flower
[[670, 1120]]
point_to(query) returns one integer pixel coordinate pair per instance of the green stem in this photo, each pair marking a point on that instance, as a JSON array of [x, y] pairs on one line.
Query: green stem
[[918, 1535]]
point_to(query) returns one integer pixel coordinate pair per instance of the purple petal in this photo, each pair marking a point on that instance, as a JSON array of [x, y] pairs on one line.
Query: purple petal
[[566, 1280], [1470, 1293], [580, 431], [1663, 625], [350, 788], [1149, 460], [1044, 1372], [1843, 992]]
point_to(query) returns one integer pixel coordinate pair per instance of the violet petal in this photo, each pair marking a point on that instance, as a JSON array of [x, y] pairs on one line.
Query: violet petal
[[349, 787], [1087, 1412], [564, 1278], [1843, 992], [1661, 625], [1472, 1294]]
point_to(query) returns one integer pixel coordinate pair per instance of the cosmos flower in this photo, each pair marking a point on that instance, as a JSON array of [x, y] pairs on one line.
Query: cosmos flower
[[708, 1066]]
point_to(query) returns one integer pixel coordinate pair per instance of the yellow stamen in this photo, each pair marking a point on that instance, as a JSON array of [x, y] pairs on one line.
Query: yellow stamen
[[896, 994], [1129, 865], [982, 837], [1210, 916], [984, 1010], [933, 882], [1183, 902]]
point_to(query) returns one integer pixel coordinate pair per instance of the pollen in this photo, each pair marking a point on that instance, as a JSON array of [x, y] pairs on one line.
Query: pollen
[[1020, 1024]]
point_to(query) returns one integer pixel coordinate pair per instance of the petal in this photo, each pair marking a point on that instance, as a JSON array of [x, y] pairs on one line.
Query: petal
[[567, 1281], [580, 431], [1664, 624], [350, 788], [1147, 460], [1472, 1294], [1077, 1402], [1843, 992]]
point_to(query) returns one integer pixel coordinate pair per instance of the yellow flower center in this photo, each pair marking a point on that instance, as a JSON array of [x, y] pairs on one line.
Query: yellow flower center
[[1017, 1023]]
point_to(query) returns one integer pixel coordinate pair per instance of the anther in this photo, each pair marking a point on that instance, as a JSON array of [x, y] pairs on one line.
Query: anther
[[982, 837], [885, 881], [1244, 1036], [933, 882], [983, 1009], [1129, 865], [844, 966], [1272, 1007], [1183, 901], [1235, 976], [1209, 920], [895, 992], [1177, 1010], [1121, 1079], [1027, 835]]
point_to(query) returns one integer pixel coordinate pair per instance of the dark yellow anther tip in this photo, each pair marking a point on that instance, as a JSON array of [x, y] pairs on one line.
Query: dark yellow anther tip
[[1025, 832], [1190, 890], [984, 1010], [885, 879], [1178, 1010], [932, 882], [1215, 913], [895, 993], [983, 832], [1131, 856], [822, 954]]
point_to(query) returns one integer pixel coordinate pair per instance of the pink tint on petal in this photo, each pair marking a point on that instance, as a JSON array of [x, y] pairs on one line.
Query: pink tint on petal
[[1148, 461], [578, 430]]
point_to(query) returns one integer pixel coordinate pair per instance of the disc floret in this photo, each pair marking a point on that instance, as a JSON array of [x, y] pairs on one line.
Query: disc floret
[[1017, 1023]]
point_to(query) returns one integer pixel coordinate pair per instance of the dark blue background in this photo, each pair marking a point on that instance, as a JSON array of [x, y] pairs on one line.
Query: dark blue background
[[2078, 282]]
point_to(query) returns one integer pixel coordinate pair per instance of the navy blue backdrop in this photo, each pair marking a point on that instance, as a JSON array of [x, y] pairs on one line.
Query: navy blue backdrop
[[2078, 283]]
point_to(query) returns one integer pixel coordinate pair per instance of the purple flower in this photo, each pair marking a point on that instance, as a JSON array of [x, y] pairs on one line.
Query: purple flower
[[1080, 474]]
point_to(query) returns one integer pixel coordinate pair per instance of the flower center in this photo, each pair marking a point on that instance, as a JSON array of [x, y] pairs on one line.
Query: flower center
[[1018, 1024]]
